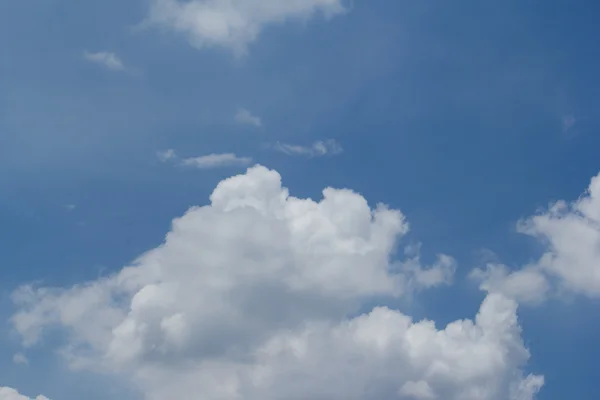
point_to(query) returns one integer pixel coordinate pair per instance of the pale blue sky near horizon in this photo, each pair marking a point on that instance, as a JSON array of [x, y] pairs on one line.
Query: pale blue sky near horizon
[[467, 116]]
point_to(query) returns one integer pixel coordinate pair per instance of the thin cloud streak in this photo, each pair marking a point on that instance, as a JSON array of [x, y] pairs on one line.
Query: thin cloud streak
[[319, 148]]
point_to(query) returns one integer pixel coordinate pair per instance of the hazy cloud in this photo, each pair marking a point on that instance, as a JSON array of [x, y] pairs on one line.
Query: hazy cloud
[[106, 59], [317, 149], [166, 155], [216, 161], [20, 359], [232, 23], [245, 117]]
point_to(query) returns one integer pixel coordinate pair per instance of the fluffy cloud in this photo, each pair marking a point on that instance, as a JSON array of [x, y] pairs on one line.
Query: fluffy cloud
[[245, 117], [232, 23], [7, 393], [571, 233], [106, 59], [251, 297], [528, 285], [317, 149]]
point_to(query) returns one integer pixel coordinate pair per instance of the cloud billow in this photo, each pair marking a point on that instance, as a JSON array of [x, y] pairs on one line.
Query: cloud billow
[[249, 298], [570, 233], [7, 393]]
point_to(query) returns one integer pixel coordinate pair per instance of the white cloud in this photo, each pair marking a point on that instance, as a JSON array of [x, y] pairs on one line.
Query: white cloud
[[317, 149], [166, 155], [528, 285], [204, 162], [216, 161], [249, 296], [245, 117], [571, 233], [107, 59], [441, 273], [7, 393], [232, 23], [20, 359]]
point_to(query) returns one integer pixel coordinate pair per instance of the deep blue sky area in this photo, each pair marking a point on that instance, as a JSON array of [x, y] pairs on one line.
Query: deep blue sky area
[[467, 116]]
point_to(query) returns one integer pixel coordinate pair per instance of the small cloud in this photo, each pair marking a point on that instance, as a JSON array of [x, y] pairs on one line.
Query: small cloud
[[106, 59], [319, 148], [166, 155], [20, 359], [245, 117], [70, 207], [209, 161], [568, 122], [232, 24], [216, 161]]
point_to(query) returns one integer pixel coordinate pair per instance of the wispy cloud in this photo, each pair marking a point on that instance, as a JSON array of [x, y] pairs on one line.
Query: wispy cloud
[[106, 59], [166, 155], [319, 148], [216, 161], [209, 161], [232, 24], [568, 122], [20, 359], [245, 117]]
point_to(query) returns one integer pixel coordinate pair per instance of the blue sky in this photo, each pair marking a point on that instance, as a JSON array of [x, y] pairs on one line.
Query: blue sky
[[467, 117]]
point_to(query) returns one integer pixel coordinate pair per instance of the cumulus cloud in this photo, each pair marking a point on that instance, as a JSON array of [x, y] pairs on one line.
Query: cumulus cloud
[[216, 161], [7, 393], [528, 285], [571, 233], [319, 148], [245, 117], [232, 23], [106, 59], [249, 297]]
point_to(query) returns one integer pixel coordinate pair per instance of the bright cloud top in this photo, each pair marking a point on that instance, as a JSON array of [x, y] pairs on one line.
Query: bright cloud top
[[232, 23], [7, 393], [249, 298], [572, 259], [105, 59], [319, 148]]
